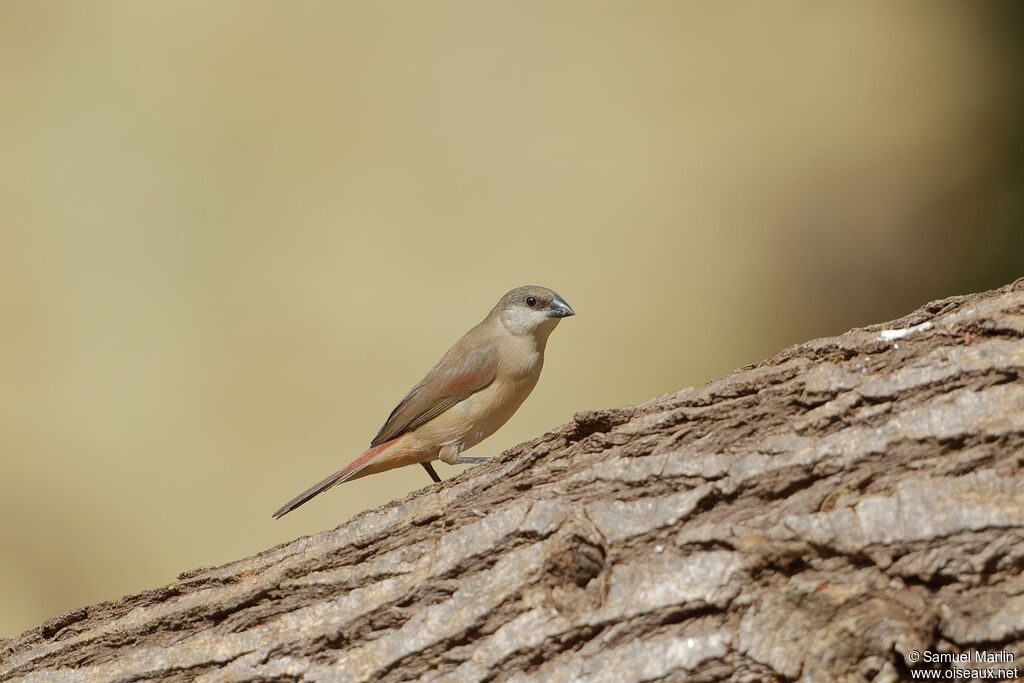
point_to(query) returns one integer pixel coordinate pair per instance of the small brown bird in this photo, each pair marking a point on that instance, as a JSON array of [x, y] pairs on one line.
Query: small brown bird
[[471, 392]]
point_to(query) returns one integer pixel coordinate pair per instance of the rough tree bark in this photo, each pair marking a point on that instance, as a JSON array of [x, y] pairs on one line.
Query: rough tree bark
[[814, 517]]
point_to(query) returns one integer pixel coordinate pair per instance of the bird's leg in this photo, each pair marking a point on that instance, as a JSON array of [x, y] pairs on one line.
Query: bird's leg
[[452, 455], [430, 470]]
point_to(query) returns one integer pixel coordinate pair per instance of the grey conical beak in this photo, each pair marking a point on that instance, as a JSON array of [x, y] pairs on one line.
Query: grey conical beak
[[558, 308]]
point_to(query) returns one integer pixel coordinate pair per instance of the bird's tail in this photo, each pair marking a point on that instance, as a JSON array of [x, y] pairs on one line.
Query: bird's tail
[[344, 474]]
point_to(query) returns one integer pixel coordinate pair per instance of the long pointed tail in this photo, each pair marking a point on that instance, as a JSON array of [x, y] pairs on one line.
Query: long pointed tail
[[344, 474]]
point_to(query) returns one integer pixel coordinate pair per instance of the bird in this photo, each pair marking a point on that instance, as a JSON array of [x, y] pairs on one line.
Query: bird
[[468, 395]]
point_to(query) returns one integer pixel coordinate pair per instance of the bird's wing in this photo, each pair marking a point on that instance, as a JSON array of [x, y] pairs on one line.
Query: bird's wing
[[458, 375]]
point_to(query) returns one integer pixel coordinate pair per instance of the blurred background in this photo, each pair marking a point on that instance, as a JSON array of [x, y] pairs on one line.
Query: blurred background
[[233, 234]]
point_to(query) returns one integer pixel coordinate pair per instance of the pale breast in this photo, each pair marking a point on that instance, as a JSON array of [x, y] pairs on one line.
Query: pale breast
[[491, 408]]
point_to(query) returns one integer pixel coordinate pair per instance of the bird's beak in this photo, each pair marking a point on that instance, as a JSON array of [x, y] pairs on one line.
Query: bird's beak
[[558, 308]]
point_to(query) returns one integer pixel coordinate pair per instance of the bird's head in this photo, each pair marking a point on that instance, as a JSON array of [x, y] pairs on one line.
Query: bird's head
[[532, 310]]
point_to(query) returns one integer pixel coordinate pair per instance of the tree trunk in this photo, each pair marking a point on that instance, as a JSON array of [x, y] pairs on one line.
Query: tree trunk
[[821, 516]]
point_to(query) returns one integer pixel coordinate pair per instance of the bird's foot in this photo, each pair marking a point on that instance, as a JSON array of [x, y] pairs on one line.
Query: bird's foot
[[471, 460]]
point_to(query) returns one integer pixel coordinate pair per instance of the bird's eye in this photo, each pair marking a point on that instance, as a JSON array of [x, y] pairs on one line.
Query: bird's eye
[[531, 301]]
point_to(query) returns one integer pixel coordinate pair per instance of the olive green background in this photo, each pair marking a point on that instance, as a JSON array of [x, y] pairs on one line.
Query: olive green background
[[233, 234]]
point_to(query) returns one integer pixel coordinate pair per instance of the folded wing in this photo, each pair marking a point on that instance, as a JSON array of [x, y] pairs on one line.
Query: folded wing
[[458, 375]]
